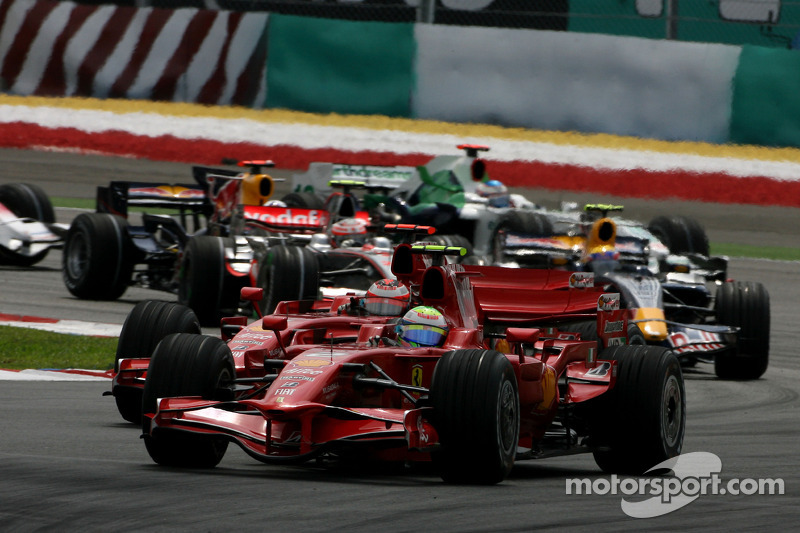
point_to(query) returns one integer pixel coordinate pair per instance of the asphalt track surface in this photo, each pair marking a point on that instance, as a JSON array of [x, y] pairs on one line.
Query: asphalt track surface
[[69, 462]]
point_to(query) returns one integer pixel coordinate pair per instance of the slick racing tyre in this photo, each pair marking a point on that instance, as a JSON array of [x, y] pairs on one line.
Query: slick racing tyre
[[204, 283], [25, 200], [642, 420], [519, 221], [147, 323], [187, 365], [304, 200], [97, 261], [287, 273], [744, 305], [475, 403], [680, 234], [452, 240]]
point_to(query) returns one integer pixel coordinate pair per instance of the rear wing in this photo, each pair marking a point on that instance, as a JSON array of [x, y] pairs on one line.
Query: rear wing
[[118, 196]]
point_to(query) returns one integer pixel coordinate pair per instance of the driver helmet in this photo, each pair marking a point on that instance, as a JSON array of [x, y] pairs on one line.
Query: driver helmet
[[387, 297], [349, 232], [495, 193], [423, 326]]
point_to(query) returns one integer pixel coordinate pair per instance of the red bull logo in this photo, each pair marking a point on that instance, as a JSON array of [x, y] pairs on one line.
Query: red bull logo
[[165, 191]]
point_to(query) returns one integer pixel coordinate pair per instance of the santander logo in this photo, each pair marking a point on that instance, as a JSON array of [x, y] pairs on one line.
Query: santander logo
[[286, 216]]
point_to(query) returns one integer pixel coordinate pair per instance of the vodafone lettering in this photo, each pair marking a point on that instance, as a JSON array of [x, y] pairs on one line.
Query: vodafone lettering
[[282, 216]]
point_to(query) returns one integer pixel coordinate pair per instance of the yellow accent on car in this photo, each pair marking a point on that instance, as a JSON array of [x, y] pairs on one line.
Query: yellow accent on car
[[653, 326]]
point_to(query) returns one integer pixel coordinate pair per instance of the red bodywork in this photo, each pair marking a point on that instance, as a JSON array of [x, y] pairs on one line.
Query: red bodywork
[[322, 381]]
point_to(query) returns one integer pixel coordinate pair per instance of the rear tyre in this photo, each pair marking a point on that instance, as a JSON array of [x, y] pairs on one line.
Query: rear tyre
[[641, 421], [202, 279], [187, 365], [476, 413], [680, 234], [147, 323], [287, 273], [744, 305], [520, 221], [304, 200], [26, 200], [97, 261]]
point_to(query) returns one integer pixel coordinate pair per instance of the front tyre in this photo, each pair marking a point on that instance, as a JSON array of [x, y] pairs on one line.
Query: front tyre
[[680, 234], [147, 323], [287, 273], [475, 402], [642, 420], [187, 365], [744, 305]]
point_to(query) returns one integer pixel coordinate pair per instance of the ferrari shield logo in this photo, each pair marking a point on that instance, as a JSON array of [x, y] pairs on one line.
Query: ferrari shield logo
[[416, 375], [416, 378]]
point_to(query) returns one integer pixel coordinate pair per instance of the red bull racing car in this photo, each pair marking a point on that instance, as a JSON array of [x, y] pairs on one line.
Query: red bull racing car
[[475, 368], [683, 301]]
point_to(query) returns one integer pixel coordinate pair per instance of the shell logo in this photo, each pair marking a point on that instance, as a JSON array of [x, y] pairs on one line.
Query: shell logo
[[548, 389], [311, 363]]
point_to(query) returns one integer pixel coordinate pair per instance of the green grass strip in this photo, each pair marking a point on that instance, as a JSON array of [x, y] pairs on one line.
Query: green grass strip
[[757, 252], [22, 348]]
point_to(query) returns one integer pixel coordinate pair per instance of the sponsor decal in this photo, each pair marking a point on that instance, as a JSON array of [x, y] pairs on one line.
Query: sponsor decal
[[608, 302], [307, 371], [515, 239], [253, 334], [287, 216], [330, 388], [284, 392], [693, 340], [225, 199], [301, 378], [363, 171], [326, 354], [310, 363], [291, 384], [581, 280], [549, 389], [600, 370], [166, 191], [614, 327], [416, 375]]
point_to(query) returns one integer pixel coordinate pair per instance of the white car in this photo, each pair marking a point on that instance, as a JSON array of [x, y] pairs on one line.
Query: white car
[[28, 230]]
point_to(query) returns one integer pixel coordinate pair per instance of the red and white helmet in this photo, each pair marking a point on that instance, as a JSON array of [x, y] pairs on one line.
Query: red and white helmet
[[387, 297], [349, 232]]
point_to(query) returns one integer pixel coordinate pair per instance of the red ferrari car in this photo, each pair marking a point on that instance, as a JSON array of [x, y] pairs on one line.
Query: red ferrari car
[[475, 368]]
